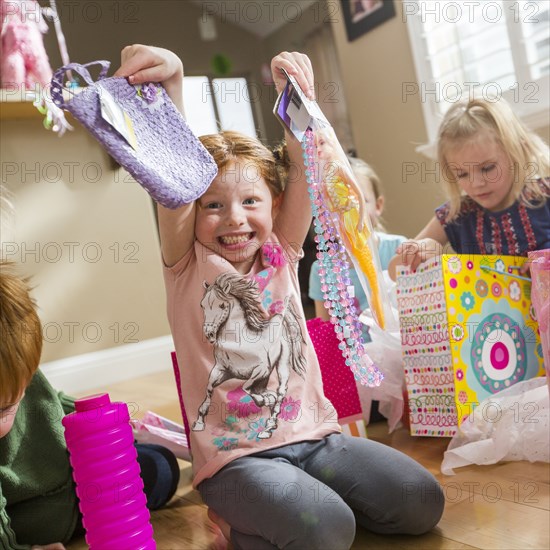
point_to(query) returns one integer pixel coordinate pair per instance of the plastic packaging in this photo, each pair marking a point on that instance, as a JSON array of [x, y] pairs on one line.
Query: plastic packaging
[[107, 475], [385, 350], [334, 275], [345, 201]]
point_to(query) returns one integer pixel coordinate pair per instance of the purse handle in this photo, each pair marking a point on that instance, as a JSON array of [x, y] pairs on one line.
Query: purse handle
[[59, 76]]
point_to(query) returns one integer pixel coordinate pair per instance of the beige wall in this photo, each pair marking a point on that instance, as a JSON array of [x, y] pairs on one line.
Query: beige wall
[[87, 236], [67, 214]]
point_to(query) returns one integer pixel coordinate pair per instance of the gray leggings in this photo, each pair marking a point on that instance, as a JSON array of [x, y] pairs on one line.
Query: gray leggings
[[310, 495]]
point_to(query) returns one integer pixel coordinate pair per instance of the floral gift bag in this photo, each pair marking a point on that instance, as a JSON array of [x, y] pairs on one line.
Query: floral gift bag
[[468, 331]]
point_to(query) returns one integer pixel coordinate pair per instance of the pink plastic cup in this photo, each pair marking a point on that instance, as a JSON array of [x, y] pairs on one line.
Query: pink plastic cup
[[107, 475]]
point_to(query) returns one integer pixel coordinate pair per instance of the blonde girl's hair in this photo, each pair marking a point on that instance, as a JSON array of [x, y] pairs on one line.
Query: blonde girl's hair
[[21, 335], [527, 152], [272, 166], [362, 171]]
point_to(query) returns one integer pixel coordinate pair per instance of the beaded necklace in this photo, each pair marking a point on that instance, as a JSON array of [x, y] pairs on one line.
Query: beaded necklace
[[336, 285]]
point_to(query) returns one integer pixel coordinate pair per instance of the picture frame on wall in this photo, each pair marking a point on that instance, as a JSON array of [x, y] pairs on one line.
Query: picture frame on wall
[[361, 16]]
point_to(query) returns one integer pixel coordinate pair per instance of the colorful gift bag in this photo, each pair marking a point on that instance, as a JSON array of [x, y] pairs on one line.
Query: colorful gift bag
[[338, 381], [468, 331], [426, 350]]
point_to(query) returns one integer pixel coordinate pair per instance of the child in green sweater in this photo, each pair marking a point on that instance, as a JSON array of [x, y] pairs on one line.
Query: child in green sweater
[[38, 503]]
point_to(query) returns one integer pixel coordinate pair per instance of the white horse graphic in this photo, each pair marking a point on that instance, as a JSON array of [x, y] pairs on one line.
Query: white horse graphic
[[247, 346]]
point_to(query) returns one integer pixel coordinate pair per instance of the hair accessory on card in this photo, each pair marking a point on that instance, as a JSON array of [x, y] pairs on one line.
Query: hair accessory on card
[[142, 130]]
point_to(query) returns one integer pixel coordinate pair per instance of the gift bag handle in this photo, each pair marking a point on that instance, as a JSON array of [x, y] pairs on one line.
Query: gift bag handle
[[57, 80]]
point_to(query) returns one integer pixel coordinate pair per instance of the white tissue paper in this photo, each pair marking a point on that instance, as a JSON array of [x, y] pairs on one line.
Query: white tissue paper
[[385, 351], [511, 425]]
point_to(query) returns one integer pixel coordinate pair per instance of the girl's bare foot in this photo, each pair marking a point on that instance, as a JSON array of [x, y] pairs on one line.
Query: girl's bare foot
[[223, 526]]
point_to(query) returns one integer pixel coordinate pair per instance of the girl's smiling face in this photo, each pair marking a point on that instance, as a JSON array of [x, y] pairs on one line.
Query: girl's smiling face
[[483, 171], [235, 215]]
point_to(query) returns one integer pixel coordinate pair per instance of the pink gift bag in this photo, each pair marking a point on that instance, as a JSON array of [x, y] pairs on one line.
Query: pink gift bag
[[338, 381], [177, 376], [540, 296]]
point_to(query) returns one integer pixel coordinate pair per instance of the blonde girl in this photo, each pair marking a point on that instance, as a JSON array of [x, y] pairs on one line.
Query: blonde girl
[[496, 177]]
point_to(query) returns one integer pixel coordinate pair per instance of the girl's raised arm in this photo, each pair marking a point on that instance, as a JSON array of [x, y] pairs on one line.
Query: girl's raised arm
[[294, 217], [149, 64]]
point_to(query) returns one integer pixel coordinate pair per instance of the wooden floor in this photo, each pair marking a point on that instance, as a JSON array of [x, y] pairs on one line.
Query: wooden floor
[[505, 506]]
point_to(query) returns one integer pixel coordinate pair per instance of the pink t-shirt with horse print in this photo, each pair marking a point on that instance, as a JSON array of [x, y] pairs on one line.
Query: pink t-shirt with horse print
[[250, 378]]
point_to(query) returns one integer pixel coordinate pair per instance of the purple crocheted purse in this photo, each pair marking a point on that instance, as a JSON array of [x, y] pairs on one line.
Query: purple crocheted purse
[[168, 160]]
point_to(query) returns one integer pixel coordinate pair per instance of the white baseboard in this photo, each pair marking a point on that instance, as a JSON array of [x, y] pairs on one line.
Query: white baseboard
[[82, 373]]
